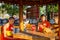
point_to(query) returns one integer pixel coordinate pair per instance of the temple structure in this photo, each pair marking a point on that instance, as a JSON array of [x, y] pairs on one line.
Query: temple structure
[[32, 2]]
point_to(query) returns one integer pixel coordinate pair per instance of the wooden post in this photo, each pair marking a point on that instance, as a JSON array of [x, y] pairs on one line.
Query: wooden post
[[59, 18], [21, 25]]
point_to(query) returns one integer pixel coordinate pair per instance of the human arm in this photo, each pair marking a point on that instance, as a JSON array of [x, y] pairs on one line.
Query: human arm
[[5, 27]]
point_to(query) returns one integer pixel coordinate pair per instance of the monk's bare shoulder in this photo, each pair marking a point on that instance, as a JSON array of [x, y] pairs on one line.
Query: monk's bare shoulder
[[6, 25]]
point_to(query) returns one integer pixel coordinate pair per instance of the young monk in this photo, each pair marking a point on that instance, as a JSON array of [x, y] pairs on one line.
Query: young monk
[[44, 27], [44, 23], [7, 29]]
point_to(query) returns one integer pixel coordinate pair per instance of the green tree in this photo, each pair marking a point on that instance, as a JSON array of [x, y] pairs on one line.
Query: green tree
[[52, 8], [11, 9]]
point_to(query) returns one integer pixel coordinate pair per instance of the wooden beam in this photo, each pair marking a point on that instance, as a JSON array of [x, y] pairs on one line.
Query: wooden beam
[[30, 2], [21, 16], [59, 19]]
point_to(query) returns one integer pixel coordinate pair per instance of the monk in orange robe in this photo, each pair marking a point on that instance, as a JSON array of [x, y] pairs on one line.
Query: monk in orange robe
[[44, 23], [7, 30]]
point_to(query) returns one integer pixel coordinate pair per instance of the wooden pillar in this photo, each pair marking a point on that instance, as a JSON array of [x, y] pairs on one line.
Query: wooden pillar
[[59, 18], [21, 16]]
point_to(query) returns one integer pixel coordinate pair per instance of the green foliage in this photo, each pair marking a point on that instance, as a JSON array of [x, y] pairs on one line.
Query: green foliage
[[52, 8], [42, 10], [11, 9], [55, 8]]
